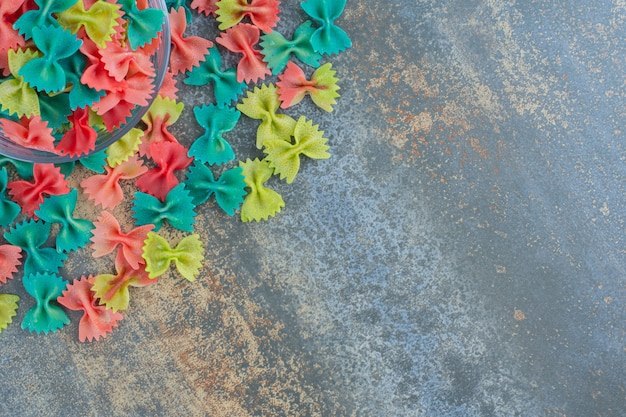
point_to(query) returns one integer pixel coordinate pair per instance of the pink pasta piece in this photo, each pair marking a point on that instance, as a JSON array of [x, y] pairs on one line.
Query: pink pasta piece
[[187, 52], [116, 106], [97, 321], [241, 39], [95, 74], [169, 157], [104, 189], [30, 132], [81, 137], [120, 61], [11, 39], [207, 7], [169, 88], [47, 180], [108, 235], [9, 260]]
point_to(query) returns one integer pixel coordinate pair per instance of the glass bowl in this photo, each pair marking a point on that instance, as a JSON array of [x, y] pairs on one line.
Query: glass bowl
[[160, 60]]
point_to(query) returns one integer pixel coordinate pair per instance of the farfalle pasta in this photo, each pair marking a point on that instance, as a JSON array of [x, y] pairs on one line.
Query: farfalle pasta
[[97, 320], [73, 68]]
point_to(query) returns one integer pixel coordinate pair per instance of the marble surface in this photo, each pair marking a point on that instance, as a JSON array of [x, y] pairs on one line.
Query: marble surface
[[462, 253]]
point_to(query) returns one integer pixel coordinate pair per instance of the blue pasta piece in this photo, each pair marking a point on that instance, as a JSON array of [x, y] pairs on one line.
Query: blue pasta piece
[[143, 25], [46, 73], [328, 38], [43, 16], [31, 235], [229, 189], [177, 209], [277, 50], [74, 233], [226, 88], [45, 316], [8, 209], [211, 147]]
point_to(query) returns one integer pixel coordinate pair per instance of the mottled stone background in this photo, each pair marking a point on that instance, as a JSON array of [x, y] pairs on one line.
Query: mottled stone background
[[461, 254]]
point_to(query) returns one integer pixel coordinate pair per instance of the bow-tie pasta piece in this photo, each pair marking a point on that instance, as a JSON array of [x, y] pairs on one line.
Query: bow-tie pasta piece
[[293, 86], [74, 233], [211, 147], [143, 26], [11, 38], [262, 13], [17, 97], [262, 104], [328, 38], [47, 180], [169, 158], [108, 235], [8, 309], [97, 320], [9, 209], [226, 87], [45, 316], [100, 22], [260, 202], [30, 236], [206, 7], [177, 209], [163, 113], [284, 157], [9, 260], [229, 189], [187, 52], [187, 256], [124, 148], [242, 39], [277, 50], [41, 16], [112, 291]]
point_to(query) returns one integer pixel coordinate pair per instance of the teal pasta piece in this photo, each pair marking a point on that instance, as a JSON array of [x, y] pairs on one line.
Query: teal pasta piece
[[177, 209], [143, 25], [260, 202], [42, 16], [94, 161], [31, 235], [229, 189], [45, 73], [80, 94], [328, 38], [55, 110], [8, 208], [24, 169], [263, 103], [284, 157], [46, 315], [226, 88], [277, 50], [211, 147], [74, 233], [8, 309]]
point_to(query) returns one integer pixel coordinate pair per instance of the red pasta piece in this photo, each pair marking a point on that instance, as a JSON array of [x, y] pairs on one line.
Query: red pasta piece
[[81, 137], [241, 39], [47, 180], [11, 39], [105, 189], [108, 235], [208, 7], [116, 106], [120, 61], [9, 260], [95, 74], [97, 320], [187, 52], [30, 132], [169, 157]]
